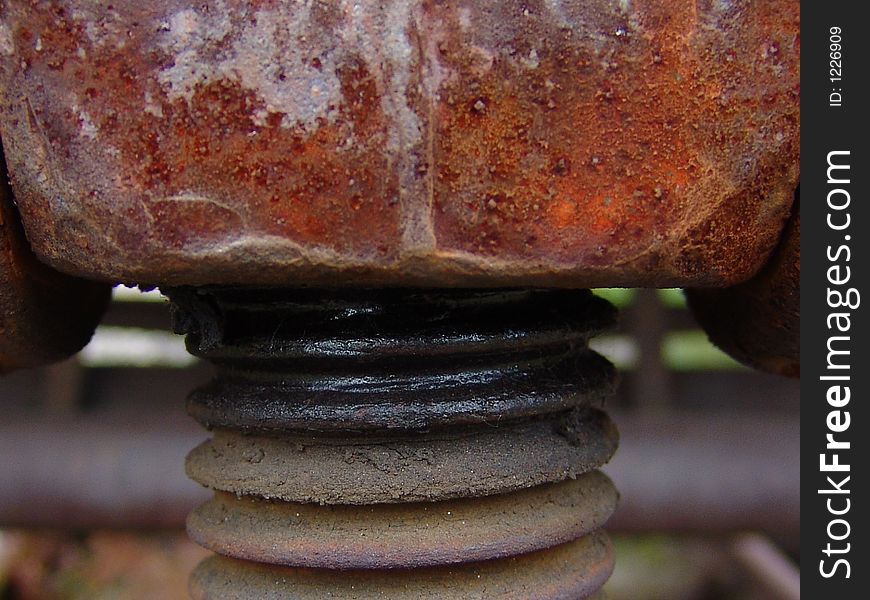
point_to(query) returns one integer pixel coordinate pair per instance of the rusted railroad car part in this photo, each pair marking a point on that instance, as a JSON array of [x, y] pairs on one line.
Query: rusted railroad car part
[[406, 143], [45, 316], [412, 444], [403, 144], [758, 322]]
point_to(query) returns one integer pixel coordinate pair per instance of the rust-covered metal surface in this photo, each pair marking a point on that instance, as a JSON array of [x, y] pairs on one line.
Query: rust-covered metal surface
[[45, 316], [404, 142]]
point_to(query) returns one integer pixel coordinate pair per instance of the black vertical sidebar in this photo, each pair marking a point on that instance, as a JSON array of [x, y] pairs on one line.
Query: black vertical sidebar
[[835, 369]]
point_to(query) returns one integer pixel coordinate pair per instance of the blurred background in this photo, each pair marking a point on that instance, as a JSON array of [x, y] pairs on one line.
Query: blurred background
[[93, 493]]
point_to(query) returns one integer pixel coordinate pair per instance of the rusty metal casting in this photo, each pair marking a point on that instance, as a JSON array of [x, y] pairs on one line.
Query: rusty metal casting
[[259, 160], [758, 321], [402, 444], [408, 142]]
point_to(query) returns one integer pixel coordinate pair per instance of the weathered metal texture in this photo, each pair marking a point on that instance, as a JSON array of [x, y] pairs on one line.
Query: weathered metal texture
[[446, 480], [357, 365], [758, 322], [45, 316], [405, 535], [348, 401], [567, 572], [409, 142], [429, 395], [489, 459]]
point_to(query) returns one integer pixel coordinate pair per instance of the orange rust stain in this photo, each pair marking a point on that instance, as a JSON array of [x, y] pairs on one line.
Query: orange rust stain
[[564, 213], [575, 150], [586, 154]]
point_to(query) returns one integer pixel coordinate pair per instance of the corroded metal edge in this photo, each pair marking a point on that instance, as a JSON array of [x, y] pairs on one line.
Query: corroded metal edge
[[423, 467], [408, 535], [758, 322], [570, 571]]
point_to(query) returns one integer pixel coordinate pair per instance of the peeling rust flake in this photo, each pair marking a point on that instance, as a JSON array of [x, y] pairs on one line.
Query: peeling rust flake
[[404, 142]]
